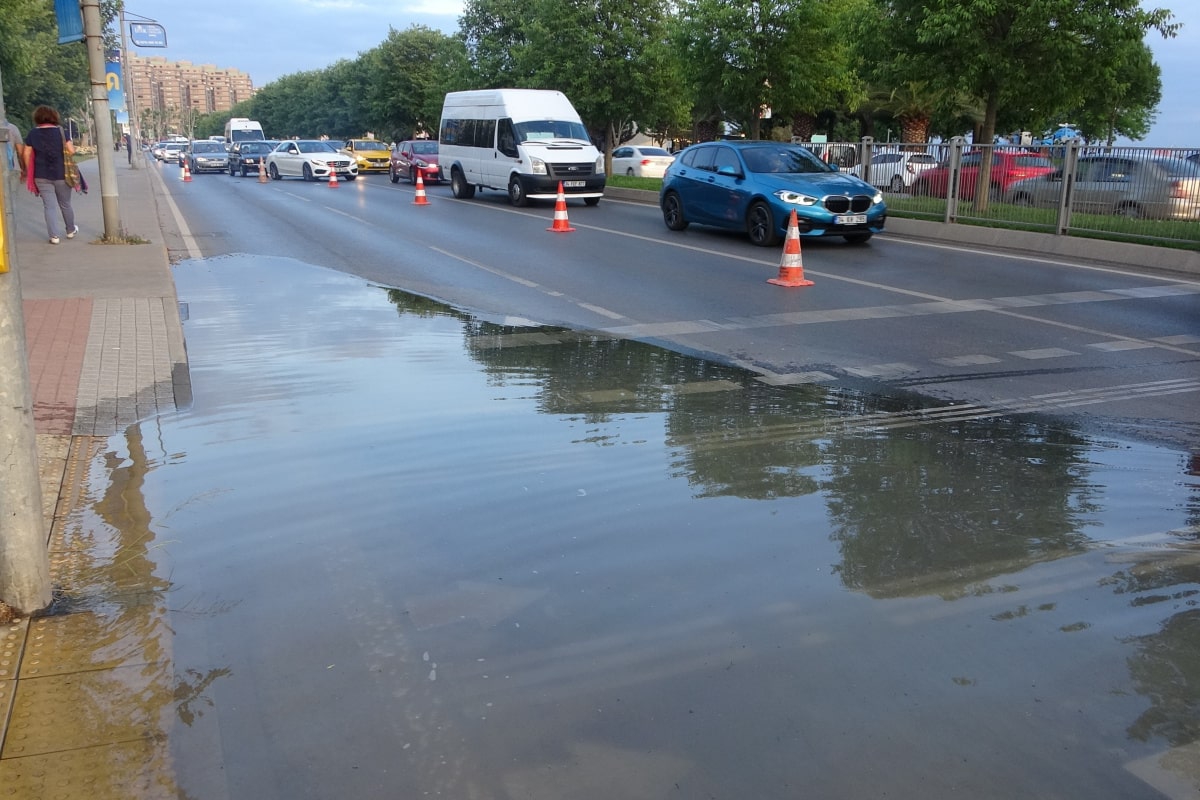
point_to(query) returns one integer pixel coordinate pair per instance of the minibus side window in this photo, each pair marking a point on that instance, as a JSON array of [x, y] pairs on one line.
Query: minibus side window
[[507, 142]]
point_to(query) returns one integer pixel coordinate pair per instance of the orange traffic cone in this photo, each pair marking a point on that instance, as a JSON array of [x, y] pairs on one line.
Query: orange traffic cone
[[420, 199], [333, 178], [791, 268], [186, 174], [561, 225], [262, 170]]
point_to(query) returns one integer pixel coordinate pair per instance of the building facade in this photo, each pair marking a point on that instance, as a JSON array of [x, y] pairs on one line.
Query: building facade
[[166, 94]]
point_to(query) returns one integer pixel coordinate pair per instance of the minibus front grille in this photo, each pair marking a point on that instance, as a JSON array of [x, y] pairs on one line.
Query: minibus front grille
[[566, 171]]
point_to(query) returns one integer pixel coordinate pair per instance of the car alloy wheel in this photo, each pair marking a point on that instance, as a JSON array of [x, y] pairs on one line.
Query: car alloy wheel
[[760, 225], [274, 173], [672, 209]]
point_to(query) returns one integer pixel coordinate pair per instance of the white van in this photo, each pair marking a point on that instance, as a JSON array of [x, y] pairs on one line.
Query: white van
[[520, 141]]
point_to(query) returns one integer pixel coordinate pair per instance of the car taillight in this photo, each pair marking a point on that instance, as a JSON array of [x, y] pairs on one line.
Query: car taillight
[[646, 162], [909, 169], [1177, 190]]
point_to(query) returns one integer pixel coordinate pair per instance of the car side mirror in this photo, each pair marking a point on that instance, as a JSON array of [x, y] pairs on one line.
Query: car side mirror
[[730, 171], [834, 167]]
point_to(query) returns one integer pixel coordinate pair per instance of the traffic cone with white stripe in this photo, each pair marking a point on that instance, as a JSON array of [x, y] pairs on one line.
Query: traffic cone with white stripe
[[262, 170], [186, 174], [561, 225], [791, 267], [419, 199], [332, 177]]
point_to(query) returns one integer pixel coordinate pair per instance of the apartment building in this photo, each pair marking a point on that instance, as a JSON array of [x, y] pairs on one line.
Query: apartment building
[[160, 85]]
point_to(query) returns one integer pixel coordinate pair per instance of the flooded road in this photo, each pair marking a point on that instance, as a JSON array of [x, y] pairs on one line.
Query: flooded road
[[395, 550]]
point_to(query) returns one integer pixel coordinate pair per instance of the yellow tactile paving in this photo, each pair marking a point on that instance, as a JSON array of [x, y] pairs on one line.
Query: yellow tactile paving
[[86, 641], [61, 713], [134, 770]]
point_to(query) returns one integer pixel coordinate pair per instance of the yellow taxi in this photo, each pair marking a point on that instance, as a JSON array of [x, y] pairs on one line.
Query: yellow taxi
[[372, 155]]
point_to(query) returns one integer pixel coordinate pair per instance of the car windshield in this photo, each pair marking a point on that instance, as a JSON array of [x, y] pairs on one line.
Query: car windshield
[[546, 129], [314, 146], [369, 144], [208, 147], [782, 160], [428, 148], [653, 151]]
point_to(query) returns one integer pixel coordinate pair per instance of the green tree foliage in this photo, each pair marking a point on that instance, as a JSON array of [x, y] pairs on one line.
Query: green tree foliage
[[748, 55], [612, 58], [37, 70], [1020, 59], [1120, 97], [408, 75]]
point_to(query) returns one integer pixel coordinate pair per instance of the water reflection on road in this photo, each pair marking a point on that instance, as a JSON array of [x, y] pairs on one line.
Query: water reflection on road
[[413, 552]]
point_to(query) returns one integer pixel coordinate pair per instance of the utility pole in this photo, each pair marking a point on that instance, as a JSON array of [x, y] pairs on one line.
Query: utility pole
[[126, 71], [24, 553], [93, 31]]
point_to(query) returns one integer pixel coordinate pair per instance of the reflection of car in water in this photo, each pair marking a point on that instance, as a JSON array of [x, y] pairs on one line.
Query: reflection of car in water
[[1142, 188]]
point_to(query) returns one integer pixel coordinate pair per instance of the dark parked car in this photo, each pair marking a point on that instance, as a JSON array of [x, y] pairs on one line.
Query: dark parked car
[[244, 156], [754, 186], [413, 155]]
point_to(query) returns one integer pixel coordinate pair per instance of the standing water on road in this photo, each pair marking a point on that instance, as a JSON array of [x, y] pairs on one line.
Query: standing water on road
[[403, 551]]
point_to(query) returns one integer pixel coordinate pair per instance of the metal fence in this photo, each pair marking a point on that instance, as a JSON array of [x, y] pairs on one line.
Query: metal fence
[[1137, 194]]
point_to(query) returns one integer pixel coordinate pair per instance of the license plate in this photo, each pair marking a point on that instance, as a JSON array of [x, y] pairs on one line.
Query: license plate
[[574, 184], [850, 219]]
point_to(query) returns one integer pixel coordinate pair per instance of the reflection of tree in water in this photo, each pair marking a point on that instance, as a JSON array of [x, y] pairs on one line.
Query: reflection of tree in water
[[417, 306], [1166, 669], [934, 509]]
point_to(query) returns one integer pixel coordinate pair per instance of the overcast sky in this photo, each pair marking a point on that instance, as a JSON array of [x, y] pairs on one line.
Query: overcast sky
[[268, 39]]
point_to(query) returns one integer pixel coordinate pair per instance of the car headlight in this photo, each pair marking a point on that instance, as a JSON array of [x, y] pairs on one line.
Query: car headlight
[[600, 165], [537, 166], [878, 198], [796, 198]]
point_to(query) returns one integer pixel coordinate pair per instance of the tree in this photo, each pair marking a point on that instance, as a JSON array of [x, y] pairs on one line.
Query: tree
[[1121, 95], [610, 57], [37, 69], [746, 56], [409, 75], [1024, 57]]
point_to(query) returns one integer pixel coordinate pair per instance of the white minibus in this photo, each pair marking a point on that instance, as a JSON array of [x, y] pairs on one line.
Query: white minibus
[[521, 141]]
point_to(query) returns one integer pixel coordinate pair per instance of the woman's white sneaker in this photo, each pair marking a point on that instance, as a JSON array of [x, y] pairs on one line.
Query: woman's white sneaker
[[74, 231]]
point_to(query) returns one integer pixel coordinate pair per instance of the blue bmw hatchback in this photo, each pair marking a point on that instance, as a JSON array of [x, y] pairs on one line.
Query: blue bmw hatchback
[[755, 185]]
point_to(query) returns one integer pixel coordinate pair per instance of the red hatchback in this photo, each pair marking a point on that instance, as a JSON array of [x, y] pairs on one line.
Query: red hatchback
[[1007, 169], [413, 155]]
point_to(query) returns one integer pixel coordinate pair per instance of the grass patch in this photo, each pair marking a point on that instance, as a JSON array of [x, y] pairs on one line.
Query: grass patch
[[626, 182], [122, 238], [1180, 234]]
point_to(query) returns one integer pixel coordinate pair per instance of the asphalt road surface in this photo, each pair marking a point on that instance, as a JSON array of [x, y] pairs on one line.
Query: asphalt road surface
[[987, 332]]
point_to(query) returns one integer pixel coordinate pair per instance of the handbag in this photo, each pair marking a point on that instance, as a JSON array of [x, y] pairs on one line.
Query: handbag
[[70, 170]]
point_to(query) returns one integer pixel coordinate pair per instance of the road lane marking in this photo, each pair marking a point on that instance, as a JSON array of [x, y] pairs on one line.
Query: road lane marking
[[189, 241]]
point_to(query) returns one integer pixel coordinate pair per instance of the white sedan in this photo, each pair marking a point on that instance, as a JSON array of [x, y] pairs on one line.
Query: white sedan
[[310, 159], [641, 161]]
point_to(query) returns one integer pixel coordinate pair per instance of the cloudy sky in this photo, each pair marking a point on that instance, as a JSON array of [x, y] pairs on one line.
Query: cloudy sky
[[271, 38]]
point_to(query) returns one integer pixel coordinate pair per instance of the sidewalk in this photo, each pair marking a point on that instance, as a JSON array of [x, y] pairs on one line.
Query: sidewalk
[[105, 346]]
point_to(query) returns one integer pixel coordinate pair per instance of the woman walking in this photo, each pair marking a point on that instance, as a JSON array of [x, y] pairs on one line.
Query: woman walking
[[44, 148]]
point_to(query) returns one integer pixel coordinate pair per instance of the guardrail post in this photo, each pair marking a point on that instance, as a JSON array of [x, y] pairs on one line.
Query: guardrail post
[[1066, 197], [955, 173]]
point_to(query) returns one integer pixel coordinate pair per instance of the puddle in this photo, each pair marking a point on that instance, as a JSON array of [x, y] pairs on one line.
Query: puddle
[[413, 552]]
